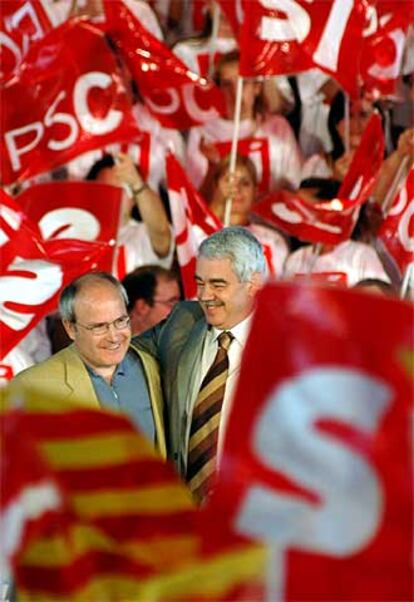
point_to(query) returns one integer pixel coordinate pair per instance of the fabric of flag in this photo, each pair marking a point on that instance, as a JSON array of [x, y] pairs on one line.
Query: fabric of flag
[[74, 210], [22, 22], [177, 97], [33, 271], [287, 37], [126, 526], [396, 233], [188, 211], [324, 473], [382, 54], [330, 221], [68, 98]]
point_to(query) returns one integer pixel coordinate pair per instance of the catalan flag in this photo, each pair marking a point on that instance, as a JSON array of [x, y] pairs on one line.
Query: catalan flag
[[119, 524]]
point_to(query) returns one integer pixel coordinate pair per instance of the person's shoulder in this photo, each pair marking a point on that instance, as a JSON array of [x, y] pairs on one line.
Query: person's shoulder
[[42, 369], [43, 376], [187, 309]]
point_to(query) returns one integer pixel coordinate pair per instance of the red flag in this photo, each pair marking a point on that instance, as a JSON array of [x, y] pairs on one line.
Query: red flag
[[329, 222], [34, 271], [324, 474], [383, 48], [361, 176], [31, 498], [286, 37], [22, 22], [177, 97], [127, 528], [397, 230], [192, 221], [79, 210], [67, 99]]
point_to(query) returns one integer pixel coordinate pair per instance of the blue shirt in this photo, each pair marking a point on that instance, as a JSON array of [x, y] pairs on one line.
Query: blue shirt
[[128, 393]]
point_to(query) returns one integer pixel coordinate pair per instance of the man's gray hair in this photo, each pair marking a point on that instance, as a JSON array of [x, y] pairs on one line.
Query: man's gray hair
[[238, 245], [68, 295]]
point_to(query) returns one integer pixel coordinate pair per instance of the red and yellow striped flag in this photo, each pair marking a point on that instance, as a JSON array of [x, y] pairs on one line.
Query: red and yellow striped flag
[[123, 526]]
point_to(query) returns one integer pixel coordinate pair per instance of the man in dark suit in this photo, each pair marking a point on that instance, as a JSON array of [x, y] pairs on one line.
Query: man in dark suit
[[230, 271]]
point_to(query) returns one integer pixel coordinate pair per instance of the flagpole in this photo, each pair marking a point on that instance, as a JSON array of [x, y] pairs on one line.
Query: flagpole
[[395, 185], [233, 152], [408, 277]]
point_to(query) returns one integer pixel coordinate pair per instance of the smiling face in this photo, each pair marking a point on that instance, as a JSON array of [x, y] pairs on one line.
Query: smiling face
[[225, 300], [97, 303]]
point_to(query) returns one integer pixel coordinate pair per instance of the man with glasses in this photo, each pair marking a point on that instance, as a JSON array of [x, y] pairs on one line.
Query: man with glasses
[[152, 293], [101, 367]]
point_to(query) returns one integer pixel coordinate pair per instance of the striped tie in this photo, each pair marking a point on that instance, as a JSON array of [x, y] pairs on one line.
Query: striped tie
[[205, 422]]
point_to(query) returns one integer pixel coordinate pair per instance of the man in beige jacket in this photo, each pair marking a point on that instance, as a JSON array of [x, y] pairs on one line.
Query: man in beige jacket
[[101, 367]]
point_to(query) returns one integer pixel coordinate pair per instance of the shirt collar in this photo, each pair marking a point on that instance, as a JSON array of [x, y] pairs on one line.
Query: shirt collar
[[240, 331]]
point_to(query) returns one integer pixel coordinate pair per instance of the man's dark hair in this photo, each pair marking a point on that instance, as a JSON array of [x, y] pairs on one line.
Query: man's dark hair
[[104, 163], [142, 282]]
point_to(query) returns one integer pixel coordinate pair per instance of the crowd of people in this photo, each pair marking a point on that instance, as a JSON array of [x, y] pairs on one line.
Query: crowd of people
[[293, 136]]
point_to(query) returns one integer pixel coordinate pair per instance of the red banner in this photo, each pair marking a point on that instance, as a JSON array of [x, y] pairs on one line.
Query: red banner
[[177, 97], [188, 212], [383, 47], [69, 98], [134, 534], [324, 473], [291, 36], [360, 178], [397, 230], [77, 210], [329, 222], [34, 271], [22, 22]]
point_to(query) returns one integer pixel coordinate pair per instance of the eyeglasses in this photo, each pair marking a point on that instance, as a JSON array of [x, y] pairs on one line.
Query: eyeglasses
[[98, 329], [168, 302]]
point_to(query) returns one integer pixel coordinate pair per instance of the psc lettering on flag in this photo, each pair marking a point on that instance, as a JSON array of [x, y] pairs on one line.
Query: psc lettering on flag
[[287, 37], [59, 108]]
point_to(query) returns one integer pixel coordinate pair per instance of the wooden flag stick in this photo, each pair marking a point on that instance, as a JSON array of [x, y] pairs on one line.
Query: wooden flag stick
[[233, 153]]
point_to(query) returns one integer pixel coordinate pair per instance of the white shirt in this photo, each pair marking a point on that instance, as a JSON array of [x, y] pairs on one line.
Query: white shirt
[[356, 259], [240, 333], [314, 136], [133, 237]]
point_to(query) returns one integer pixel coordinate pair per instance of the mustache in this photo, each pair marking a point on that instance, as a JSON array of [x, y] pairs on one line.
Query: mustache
[[211, 303]]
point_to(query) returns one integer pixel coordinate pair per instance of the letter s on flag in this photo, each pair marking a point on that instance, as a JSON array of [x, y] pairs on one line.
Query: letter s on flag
[[287, 439]]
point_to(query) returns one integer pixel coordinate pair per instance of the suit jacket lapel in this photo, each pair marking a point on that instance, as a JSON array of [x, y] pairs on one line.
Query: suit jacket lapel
[[189, 358], [77, 380]]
